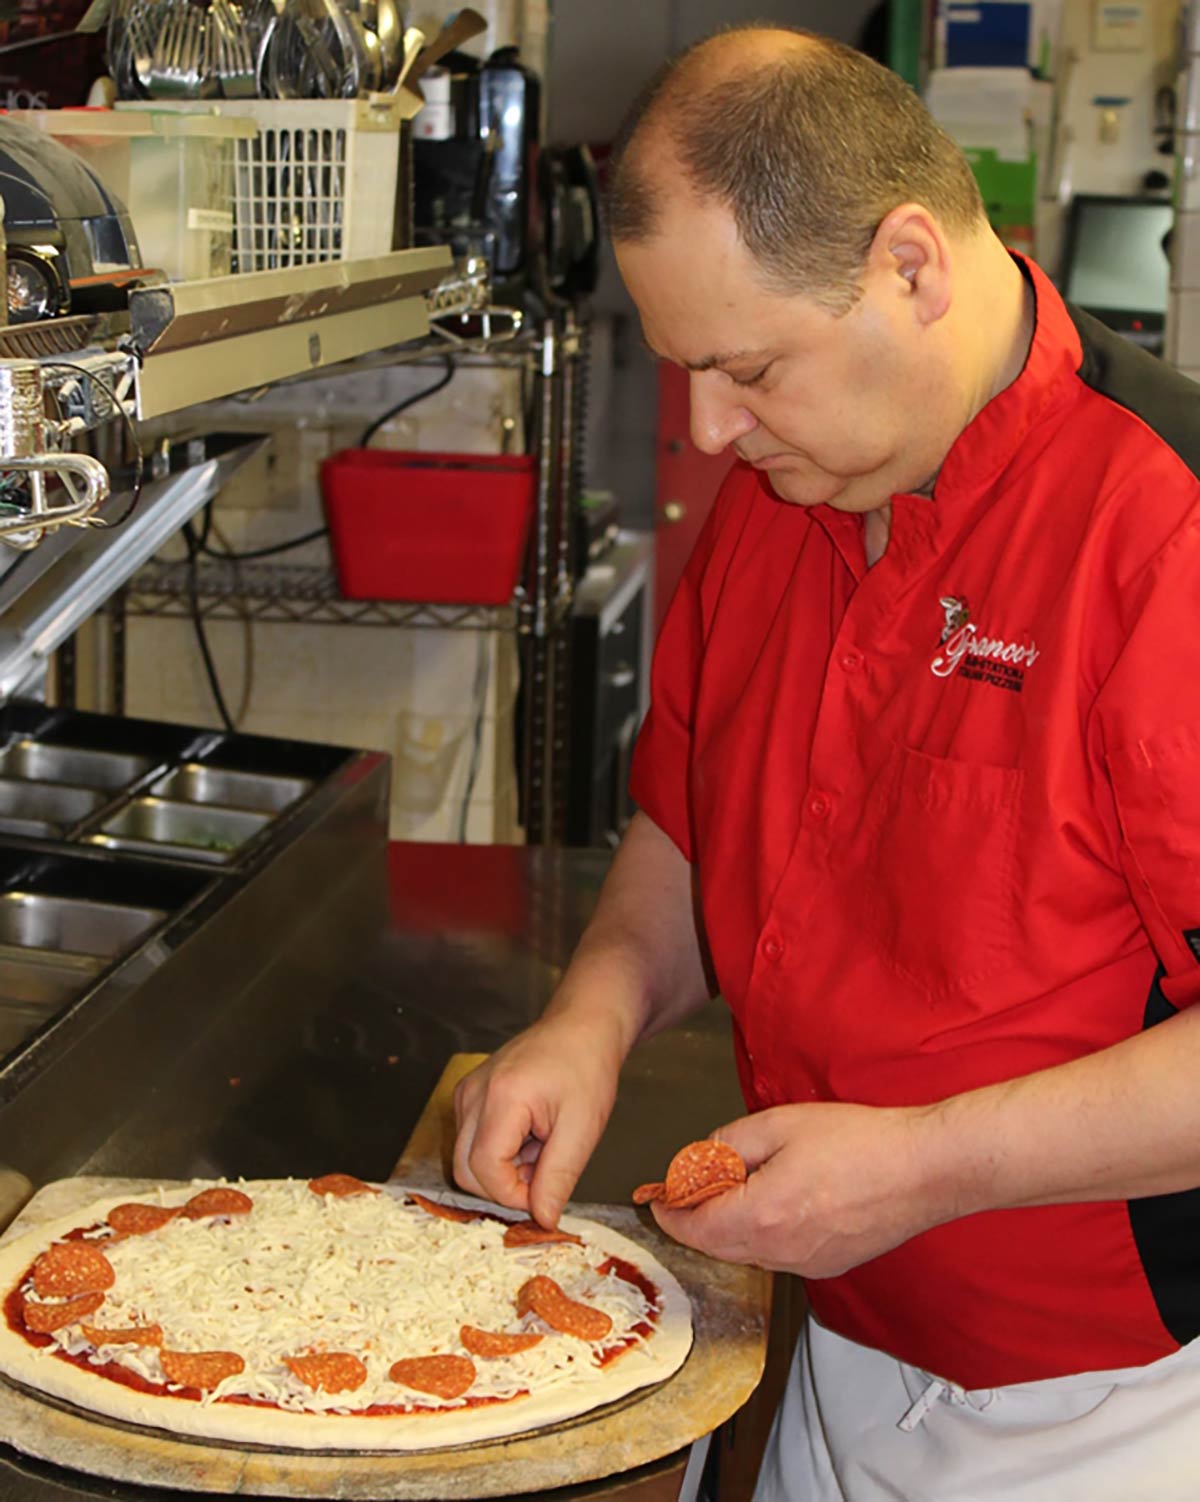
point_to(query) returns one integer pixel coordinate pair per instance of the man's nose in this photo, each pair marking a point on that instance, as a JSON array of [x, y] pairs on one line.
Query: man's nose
[[718, 417]]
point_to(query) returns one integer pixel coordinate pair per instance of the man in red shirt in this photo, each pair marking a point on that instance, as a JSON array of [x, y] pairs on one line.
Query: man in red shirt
[[923, 742]]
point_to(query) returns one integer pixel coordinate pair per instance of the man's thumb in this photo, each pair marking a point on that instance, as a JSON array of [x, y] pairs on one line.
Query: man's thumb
[[754, 1138]]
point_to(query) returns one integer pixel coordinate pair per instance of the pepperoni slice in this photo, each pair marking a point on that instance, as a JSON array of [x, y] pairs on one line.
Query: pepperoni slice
[[328, 1371], [43, 1319], [200, 1369], [69, 1268], [443, 1376], [217, 1202], [493, 1343], [701, 1165], [139, 1220], [340, 1185], [133, 1335], [569, 1317], [529, 1233], [443, 1212], [645, 1193], [698, 1196]]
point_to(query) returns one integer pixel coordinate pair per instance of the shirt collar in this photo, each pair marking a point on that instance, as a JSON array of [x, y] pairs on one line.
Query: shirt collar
[[996, 433]]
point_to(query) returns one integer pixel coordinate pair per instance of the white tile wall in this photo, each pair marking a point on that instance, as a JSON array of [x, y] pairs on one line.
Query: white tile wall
[[1185, 251], [414, 694]]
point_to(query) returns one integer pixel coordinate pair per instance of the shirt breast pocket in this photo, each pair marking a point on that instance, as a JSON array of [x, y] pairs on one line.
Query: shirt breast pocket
[[940, 885]]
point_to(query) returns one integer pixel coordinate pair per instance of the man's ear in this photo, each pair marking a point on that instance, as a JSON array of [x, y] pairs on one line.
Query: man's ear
[[911, 251]]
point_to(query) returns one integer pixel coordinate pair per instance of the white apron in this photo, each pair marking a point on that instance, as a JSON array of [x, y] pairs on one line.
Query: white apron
[[856, 1425]]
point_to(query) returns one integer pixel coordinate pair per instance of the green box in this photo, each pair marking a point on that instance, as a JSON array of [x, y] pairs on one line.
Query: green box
[[1009, 187]]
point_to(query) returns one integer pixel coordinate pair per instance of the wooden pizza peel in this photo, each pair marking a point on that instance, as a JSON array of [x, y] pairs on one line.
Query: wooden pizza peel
[[730, 1311]]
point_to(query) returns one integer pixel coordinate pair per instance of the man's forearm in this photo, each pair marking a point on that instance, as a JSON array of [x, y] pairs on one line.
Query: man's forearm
[[1120, 1124], [639, 960]]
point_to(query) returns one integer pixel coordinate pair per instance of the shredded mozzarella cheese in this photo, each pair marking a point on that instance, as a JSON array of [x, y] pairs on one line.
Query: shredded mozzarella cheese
[[364, 1274]]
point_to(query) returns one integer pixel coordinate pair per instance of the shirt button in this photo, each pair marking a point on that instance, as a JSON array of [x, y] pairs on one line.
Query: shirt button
[[773, 949], [852, 661], [820, 806]]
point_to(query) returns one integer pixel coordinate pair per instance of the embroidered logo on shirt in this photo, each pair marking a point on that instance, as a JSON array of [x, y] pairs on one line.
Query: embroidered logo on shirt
[[958, 613], [967, 651]]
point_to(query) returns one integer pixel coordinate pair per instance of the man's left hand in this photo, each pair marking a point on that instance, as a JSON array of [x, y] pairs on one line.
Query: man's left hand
[[830, 1186]]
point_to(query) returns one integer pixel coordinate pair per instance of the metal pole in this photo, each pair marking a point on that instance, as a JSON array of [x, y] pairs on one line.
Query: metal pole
[[537, 666], [116, 642], [66, 685]]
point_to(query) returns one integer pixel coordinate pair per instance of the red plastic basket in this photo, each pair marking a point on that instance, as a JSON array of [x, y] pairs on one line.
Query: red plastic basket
[[446, 528]]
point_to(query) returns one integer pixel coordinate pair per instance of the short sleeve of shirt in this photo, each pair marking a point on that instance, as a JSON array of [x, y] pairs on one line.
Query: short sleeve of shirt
[[1149, 711], [659, 776]]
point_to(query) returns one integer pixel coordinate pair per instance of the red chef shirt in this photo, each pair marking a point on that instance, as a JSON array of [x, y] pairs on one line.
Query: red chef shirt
[[946, 815]]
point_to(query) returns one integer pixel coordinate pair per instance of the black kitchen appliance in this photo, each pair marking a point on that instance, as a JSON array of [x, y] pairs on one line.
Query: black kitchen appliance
[[489, 188], [611, 626]]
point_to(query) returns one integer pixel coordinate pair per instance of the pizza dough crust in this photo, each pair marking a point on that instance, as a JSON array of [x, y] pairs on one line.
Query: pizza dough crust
[[279, 1429]]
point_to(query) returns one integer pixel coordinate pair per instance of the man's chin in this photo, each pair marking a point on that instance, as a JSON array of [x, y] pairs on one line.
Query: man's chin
[[801, 490]]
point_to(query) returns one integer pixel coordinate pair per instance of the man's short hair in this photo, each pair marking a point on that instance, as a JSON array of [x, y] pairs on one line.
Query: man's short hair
[[809, 151]]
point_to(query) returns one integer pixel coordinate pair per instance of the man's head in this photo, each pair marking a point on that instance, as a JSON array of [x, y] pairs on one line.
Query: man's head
[[797, 230]]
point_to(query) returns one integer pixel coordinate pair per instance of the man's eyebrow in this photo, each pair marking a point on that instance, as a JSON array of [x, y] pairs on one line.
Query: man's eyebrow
[[711, 362]]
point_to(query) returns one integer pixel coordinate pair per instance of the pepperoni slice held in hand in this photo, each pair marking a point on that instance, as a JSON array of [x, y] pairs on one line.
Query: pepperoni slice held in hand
[[443, 1376], [219, 1201], [133, 1335], [494, 1343], [644, 1194], [69, 1268], [43, 1319], [139, 1220], [328, 1371], [529, 1233], [546, 1299], [443, 1212], [340, 1185], [698, 1196], [709, 1165], [200, 1369]]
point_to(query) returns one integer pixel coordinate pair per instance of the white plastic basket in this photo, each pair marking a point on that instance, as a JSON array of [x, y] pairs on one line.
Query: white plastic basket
[[318, 182]]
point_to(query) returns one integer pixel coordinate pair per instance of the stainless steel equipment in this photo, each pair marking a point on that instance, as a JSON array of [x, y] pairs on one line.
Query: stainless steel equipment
[[102, 930], [111, 876], [198, 784], [40, 763], [153, 826], [41, 810]]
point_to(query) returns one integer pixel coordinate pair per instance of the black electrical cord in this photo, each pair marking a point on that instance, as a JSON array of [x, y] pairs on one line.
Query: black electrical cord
[[364, 442], [192, 543], [278, 547], [409, 401], [118, 406]]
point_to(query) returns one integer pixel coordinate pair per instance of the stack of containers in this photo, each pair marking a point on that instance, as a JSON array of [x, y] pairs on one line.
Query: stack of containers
[[1183, 308], [312, 180]]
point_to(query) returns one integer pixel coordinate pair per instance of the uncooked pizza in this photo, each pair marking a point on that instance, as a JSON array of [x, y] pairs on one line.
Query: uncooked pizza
[[333, 1314]]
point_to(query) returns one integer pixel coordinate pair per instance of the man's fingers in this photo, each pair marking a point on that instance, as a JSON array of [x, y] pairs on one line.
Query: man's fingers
[[493, 1157], [531, 1150], [562, 1159], [487, 1148], [755, 1138], [715, 1227], [463, 1144]]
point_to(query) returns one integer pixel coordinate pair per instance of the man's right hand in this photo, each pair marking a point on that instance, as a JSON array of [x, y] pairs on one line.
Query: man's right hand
[[529, 1119]]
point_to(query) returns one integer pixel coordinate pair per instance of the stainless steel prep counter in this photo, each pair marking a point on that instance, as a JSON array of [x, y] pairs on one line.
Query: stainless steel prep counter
[[323, 1062]]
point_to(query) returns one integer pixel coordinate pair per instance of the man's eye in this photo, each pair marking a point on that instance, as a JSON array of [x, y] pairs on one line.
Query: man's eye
[[750, 380]]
